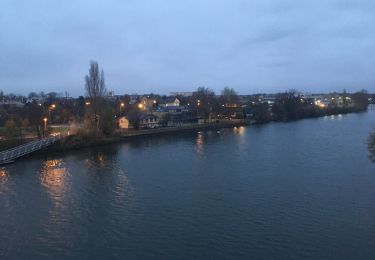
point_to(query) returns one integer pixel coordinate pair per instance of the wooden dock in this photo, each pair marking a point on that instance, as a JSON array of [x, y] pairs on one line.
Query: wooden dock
[[8, 156]]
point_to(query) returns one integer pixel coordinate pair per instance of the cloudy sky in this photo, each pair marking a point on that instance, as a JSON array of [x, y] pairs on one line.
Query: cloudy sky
[[169, 45]]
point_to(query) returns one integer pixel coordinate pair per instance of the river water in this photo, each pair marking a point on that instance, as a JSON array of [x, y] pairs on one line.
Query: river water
[[303, 189]]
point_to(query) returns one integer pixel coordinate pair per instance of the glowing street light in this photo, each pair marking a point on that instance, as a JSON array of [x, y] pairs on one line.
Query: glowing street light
[[121, 106], [140, 105], [45, 123], [53, 106]]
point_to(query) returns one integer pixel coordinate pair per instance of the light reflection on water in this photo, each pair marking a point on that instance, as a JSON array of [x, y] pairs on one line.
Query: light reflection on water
[[98, 159], [241, 139], [334, 117], [282, 190], [199, 144], [4, 176], [241, 130], [53, 175]]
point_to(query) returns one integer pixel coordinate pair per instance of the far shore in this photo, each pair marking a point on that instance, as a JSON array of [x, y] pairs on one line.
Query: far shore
[[123, 135], [75, 142]]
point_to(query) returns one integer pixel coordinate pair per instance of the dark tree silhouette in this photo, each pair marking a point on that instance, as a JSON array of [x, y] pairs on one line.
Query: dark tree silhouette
[[204, 101], [95, 89], [229, 96]]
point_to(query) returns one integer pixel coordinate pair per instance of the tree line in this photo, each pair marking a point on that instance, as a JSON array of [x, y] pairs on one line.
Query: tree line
[[96, 114]]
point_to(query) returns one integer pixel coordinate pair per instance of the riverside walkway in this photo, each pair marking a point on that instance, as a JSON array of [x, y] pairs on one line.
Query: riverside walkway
[[8, 156]]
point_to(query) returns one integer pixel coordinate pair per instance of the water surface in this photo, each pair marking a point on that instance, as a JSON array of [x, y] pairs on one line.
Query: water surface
[[303, 189]]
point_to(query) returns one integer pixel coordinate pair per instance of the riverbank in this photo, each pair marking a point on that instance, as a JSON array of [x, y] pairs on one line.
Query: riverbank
[[279, 176], [75, 142]]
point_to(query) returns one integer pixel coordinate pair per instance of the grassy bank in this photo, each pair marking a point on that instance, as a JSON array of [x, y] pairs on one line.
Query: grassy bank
[[75, 142]]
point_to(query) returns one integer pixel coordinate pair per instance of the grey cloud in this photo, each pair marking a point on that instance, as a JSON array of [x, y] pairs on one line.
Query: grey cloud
[[166, 45]]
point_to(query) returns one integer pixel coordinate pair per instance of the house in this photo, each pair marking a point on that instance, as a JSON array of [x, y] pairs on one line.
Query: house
[[170, 102], [171, 109], [175, 115], [36, 100], [147, 102], [148, 121], [124, 123]]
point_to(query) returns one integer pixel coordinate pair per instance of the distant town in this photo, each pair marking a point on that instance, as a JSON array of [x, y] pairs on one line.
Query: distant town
[[101, 113]]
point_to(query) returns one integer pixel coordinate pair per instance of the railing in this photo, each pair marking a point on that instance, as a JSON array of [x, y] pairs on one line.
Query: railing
[[21, 150]]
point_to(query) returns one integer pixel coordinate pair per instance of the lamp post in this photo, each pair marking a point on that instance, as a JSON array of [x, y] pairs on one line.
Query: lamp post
[[53, 106], [198, 105], [121, 106], [45, 123]]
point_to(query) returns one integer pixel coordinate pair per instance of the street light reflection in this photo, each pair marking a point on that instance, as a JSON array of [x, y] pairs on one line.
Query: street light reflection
[[53, 178], [199, 144], [97, 160], [239, 130], [3, 176], [102, 159]]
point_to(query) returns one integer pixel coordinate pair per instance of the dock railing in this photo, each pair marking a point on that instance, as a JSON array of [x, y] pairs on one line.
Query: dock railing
[[27, 148]]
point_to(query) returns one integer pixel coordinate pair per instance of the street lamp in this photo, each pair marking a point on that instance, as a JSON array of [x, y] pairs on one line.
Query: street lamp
[[45, 123], [198, 104], [53, 106], [140, 105], [121, 106]]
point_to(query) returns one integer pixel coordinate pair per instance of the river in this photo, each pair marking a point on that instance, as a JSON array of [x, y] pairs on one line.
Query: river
[[303, 189]]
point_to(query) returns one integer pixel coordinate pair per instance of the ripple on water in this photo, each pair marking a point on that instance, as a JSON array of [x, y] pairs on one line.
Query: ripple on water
[[273, 191]]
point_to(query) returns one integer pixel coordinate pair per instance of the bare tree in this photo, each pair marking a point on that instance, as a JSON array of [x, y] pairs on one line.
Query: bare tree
[[203, 99], [95, 85], [95, 88], [229, 96]]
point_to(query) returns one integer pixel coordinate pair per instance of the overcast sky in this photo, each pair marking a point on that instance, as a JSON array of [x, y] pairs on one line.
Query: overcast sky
[[169, 45]]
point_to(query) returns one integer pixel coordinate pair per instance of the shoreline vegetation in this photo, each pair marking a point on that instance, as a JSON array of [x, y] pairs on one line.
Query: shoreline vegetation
[[82, 140], [102, 117], [75, 142]]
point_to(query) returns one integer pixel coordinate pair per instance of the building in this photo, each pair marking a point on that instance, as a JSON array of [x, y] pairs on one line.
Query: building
[[170, 102], [147, 102], [124, 123], [175, 115], [148, 121]]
